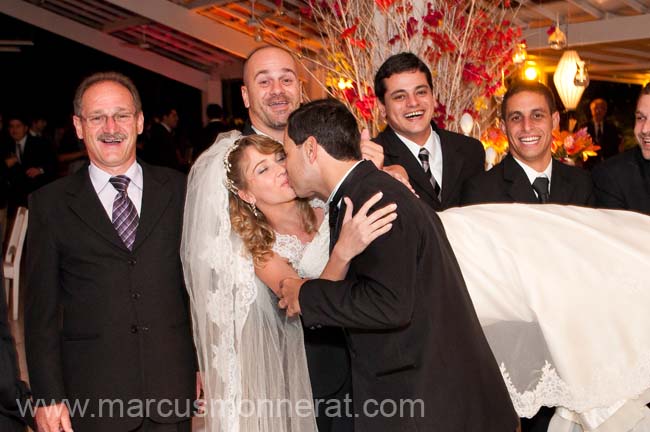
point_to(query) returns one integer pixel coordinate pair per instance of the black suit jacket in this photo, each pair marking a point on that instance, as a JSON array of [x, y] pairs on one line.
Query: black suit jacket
[[412, 329], [161, 147], [462, 158], [609, 140], [507, 182], [37, 153], [623, 182], [327, 355], [208, 135], [103, 322], [13, 391]]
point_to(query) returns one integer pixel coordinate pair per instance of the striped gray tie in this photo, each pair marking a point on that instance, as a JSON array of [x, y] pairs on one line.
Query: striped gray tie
[[125, 215], [424, 158]]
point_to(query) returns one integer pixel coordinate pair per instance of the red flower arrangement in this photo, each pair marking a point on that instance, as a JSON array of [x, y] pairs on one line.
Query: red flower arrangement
[[466, 43]]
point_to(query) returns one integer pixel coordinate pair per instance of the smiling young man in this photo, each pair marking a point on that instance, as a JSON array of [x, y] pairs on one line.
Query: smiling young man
[[437, 161], [529, 173]]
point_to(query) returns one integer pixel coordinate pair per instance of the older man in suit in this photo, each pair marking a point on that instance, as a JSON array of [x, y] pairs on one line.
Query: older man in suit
[[529, 174], [438, 162], [412, 331], [624, 181], [107, 323]]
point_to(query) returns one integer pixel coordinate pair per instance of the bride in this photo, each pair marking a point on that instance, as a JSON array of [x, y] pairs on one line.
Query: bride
[[562, 292], [244, 230]]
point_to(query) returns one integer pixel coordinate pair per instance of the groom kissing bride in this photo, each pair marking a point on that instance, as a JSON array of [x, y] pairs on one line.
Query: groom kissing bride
[[412, 332]]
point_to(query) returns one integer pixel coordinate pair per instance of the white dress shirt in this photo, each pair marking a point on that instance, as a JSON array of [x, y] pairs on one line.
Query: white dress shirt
[[338, 185], [107, 193], [533, 174], [434, 148]]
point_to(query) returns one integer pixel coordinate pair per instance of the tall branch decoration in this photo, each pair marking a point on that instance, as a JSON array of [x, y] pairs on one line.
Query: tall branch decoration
[[466, 43]]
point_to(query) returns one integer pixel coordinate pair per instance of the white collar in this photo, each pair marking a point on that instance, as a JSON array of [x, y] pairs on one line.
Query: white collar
[[100, 178], [533, 174], [433, 146], [338, 185]]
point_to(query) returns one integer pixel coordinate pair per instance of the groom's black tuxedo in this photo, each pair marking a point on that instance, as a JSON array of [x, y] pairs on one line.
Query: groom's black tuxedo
[[103, 322], [412, 330]]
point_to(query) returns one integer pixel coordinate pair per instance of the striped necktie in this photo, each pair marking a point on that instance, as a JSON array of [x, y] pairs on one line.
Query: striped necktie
[[125, 215], [424, 158]]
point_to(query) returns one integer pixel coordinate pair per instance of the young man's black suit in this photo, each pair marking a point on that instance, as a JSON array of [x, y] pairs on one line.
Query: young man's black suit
[[507, 182], [462, 158], [411, 327]]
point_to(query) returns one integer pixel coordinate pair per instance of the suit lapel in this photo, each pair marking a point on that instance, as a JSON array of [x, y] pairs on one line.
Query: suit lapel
[[519, 188], [155, 199], [403, 156], [84, 202]]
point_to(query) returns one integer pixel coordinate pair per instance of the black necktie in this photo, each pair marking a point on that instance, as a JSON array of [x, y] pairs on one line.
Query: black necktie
[[541, 187], [424, 158], [333, 219]]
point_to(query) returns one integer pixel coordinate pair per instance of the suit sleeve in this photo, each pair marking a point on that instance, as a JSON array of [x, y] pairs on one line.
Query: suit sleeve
[[42, 328], [379, 291], [607, 190], [471, 192], [478, 158]]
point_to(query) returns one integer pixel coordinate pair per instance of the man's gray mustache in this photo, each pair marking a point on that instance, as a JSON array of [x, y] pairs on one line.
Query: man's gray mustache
[[117, 136]]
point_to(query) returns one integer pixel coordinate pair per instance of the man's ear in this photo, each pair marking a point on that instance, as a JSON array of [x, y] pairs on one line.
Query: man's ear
[[556, 120], [310, 147], [502, 125], [244, 96], [78, 127], [382, 110]]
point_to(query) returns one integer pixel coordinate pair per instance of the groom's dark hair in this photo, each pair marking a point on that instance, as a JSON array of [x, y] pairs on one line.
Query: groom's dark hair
[[331, 123]]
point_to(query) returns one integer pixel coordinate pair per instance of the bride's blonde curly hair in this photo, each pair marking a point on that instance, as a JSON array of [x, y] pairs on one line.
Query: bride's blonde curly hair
[[254, 229]]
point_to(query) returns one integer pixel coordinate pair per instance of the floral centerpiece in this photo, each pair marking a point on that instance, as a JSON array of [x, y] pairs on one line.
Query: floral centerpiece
[[573, 147], [468, 44]]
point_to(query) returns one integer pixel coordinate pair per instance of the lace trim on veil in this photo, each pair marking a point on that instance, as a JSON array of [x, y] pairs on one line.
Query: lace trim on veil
[[607, 389]]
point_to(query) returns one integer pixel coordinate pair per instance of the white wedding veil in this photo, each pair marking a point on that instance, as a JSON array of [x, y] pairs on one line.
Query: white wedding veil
[[251, 357]]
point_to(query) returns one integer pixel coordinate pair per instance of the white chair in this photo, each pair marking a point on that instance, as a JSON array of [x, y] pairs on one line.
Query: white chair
[[11, 263]]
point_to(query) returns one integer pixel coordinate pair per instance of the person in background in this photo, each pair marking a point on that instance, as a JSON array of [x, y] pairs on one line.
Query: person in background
[[603, 132], [623, 181], [212, 129], [30, 160], [13, 391]]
